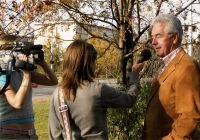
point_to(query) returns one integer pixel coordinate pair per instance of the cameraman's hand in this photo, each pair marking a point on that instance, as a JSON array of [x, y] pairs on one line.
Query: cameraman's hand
[[137, 66], [23, 57]]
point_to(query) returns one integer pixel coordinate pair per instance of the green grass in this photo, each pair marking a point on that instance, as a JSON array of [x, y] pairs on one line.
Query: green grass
[[41, 108]]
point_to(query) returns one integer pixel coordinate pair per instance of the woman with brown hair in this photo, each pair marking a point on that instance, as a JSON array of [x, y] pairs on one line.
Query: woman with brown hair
[[87, 100]]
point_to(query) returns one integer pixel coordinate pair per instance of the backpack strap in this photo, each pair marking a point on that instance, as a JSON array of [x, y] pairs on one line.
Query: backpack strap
[[63, 109]]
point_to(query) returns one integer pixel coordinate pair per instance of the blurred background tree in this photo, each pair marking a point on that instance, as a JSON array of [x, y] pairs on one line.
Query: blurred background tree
[[128, 20]]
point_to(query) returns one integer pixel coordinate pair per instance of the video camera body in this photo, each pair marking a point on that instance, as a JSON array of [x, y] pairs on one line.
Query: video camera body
[[33, 53]]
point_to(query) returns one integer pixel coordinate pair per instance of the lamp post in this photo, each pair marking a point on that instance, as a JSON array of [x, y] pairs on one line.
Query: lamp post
[[52, 56], [190, 48]]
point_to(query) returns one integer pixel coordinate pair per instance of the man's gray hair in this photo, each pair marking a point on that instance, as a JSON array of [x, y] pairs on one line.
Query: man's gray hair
[[172, 24]]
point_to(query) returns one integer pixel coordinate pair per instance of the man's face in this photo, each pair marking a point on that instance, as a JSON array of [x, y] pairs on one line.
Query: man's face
[[162, 42]]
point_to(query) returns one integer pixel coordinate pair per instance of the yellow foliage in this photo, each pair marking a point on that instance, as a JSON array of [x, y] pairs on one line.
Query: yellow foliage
[[69, 2], [107, 61]]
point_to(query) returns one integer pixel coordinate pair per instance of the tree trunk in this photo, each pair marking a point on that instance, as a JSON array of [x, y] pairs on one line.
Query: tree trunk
[[129, 48], [122, 61], [126, 46]]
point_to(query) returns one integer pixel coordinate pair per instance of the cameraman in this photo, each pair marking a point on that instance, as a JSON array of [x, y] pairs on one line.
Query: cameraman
[[16, 110]]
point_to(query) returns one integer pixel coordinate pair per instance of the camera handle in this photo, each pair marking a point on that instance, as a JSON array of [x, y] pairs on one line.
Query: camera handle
[[8, 75]]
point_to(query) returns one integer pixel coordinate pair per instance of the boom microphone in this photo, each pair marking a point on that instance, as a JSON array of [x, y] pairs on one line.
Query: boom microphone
[[145, 55]]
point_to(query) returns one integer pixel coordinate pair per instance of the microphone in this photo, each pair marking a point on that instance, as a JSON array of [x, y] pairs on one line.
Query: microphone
[[144, 56]]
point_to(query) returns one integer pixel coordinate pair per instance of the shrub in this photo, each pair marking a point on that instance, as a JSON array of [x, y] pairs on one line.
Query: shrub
[[127, 124]]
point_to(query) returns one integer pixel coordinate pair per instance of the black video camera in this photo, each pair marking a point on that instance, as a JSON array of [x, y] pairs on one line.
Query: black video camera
[[33, 53]]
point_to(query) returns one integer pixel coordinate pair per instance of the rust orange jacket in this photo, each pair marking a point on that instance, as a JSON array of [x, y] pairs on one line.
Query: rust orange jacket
[[173, 108]]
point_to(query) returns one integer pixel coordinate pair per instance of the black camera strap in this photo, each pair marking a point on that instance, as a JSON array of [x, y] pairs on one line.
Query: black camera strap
[[8, 75]]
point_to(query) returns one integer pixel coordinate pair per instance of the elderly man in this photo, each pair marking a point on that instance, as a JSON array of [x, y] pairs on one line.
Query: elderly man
[[173, 108]]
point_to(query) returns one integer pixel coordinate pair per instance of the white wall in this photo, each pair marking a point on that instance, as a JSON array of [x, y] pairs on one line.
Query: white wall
[[65, 32]]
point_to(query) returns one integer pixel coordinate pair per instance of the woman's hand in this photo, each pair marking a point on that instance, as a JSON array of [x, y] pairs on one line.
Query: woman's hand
[[137, 66], [26, 73]]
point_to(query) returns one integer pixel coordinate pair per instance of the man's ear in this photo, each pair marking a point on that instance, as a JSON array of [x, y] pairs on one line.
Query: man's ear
[[175, 38]]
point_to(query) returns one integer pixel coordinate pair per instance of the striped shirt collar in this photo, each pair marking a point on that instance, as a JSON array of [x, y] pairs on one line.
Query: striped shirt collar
[[167, 59]]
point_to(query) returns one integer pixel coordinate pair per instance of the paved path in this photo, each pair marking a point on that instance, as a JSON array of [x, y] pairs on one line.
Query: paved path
[[46, 91], [43, 91]]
